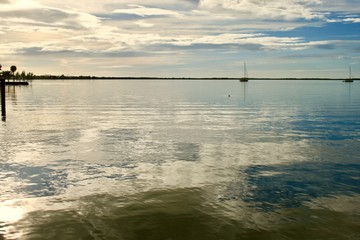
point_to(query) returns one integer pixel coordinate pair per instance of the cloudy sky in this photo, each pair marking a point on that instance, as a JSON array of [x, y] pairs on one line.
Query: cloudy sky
[[182, 38]]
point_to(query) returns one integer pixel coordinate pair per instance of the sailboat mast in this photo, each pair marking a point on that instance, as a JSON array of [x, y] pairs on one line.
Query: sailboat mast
[[350, 74], [245, 78], [245, 71]]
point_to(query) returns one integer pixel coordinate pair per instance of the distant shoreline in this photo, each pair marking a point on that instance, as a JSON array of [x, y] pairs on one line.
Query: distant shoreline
[[172, 78]]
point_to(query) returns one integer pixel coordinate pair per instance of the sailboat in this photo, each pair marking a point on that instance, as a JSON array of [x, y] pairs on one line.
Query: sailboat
[[246, 77], [350, 79]]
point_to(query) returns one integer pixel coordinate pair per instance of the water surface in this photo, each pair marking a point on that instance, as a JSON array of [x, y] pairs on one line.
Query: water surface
[[175, 159]]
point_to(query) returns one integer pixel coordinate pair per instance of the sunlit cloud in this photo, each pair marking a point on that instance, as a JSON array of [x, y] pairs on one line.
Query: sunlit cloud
[[280, 9], [32, 13], [144, 24], [144, 11], [190, 32], [352, 20]]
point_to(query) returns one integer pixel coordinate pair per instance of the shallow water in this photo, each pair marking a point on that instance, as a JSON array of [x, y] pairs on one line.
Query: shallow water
[[173, 159]]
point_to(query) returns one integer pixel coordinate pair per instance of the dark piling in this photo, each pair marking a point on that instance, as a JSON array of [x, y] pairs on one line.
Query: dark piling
[[3, 100]]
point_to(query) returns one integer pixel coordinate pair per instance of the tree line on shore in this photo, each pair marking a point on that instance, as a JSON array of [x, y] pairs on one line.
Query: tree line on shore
[[23, 76], [15, 75]]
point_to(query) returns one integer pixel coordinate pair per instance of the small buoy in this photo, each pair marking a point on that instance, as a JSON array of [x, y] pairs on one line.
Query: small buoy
[[229, 95]]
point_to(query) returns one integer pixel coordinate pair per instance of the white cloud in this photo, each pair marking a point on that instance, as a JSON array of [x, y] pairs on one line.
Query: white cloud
[[144, 24], [151, 32], [345, 19], [338, 6], [33, 13], [353, 20], [275, 9], [146, 11], [19, 5]]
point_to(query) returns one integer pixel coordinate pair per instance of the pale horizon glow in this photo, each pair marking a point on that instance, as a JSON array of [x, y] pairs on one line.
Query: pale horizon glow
[[181, 38]]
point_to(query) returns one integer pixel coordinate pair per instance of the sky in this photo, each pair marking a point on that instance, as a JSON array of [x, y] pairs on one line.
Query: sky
[[182, 38]]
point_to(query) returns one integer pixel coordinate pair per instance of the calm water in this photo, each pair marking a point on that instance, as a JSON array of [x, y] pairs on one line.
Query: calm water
[[181, 160]]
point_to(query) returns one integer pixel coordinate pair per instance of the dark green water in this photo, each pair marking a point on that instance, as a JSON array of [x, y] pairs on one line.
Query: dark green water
[[181, 160]]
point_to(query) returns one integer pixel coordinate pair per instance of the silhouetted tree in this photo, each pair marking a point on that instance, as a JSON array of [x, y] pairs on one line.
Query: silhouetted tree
[[13, 70], [30, 76], [23, 75], [6, 75]]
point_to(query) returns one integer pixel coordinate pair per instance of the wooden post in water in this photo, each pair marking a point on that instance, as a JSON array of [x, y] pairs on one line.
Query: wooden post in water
[[3, 100]]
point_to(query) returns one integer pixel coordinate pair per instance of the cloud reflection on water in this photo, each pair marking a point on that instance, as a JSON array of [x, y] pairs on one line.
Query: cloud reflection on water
[[135, 165], [293, 185], [179, 213]]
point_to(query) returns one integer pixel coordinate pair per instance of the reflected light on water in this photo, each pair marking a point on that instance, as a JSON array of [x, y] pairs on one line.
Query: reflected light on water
[[181, 160], [10, 214], [183, 213]]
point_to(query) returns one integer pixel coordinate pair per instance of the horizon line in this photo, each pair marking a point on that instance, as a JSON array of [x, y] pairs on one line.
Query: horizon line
[[62, 77]]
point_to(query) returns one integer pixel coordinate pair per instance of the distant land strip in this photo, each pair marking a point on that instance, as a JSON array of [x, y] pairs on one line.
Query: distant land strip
[[39, 77]]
